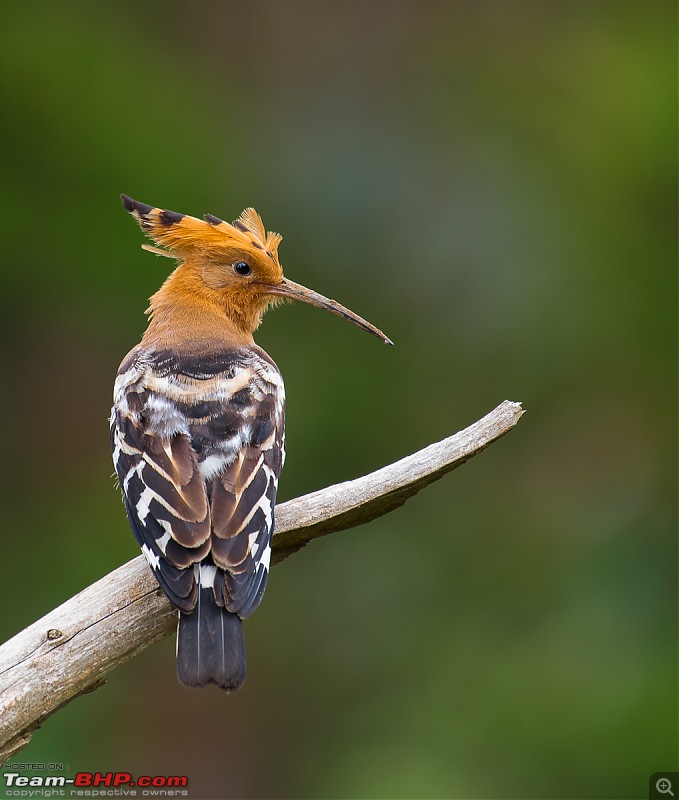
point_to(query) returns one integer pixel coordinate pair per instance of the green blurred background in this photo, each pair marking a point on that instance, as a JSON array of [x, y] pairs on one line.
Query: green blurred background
[[494, 185]]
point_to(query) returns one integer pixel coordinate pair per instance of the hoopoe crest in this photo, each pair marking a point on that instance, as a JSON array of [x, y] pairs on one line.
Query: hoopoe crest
[[197, 429]]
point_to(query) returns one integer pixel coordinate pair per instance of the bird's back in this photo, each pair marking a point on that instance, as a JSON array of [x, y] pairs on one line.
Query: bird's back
[[198, 445]]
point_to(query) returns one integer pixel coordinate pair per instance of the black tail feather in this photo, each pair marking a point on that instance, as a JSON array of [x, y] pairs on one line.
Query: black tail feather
[[210, 645]]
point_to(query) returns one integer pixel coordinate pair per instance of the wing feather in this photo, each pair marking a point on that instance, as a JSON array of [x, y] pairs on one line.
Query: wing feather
[[200, 472], [165, 499], [242, 501]]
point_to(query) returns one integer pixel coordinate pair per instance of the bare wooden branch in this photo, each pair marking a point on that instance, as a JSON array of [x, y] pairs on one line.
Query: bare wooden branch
[[69, 651]]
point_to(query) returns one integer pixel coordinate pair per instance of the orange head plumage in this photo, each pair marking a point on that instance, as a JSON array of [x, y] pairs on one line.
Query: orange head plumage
[[226, 270]]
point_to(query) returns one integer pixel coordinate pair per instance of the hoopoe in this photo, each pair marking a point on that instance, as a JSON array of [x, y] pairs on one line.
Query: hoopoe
[[197, 430]]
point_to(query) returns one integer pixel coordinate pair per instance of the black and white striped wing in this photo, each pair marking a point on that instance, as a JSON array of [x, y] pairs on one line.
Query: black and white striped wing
[[163, 489], [242, 500]]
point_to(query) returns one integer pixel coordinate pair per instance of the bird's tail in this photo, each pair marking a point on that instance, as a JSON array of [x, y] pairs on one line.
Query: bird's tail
[[210, 645]]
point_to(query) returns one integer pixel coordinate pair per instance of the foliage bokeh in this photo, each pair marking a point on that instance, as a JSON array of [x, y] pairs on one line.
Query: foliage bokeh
[[492, 184]]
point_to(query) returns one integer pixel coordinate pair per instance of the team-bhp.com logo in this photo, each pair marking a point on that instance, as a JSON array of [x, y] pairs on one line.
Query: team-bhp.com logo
[[95, 784]]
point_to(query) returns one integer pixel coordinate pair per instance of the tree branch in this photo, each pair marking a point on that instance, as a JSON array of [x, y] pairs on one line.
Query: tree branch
[[69, 651]]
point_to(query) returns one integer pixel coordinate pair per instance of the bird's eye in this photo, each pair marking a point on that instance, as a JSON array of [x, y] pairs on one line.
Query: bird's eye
[[242, 268]]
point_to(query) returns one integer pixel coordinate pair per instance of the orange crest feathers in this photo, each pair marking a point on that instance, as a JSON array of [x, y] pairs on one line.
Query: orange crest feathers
[[250, 222], [182, 234]]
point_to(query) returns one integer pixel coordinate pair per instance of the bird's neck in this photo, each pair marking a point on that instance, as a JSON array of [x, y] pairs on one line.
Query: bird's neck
[[185, 314]]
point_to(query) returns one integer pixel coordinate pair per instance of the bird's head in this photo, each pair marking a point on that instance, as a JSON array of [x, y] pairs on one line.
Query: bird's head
[[232, 267]]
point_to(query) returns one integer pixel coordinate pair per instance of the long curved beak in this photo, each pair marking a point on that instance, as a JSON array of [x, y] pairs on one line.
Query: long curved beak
[[294, 291]]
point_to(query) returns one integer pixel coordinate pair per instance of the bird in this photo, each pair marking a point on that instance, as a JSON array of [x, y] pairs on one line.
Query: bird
[[198, 429]]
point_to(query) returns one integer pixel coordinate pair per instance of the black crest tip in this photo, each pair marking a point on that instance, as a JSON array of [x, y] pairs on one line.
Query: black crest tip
[[170, 217], [134, 205]]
